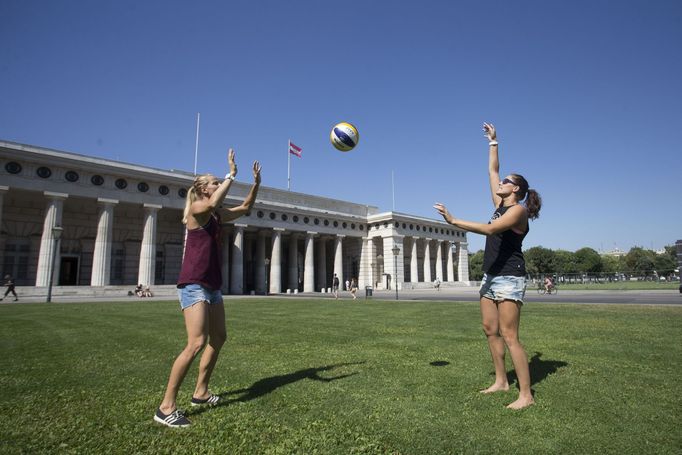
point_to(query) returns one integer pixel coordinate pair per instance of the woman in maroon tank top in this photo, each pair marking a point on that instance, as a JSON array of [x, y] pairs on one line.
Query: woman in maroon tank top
[[503, 285], [199, 287]]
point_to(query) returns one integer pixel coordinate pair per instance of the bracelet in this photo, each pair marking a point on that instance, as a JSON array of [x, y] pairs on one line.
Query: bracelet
[[492, 143], [229, 176]]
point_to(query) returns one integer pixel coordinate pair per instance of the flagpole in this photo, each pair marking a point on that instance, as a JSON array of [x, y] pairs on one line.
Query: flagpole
[[289, 166], [196, 145], [393, 190]]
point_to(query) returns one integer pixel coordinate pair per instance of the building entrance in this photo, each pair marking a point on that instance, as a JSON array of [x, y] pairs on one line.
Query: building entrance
[[68, 271]]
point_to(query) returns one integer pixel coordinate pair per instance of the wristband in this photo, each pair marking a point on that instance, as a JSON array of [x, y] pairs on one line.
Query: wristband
[[492, 143], [229, 176]]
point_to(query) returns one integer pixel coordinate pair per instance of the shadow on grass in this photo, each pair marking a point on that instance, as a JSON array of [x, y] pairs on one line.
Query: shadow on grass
[[539, 369], [267, 385]]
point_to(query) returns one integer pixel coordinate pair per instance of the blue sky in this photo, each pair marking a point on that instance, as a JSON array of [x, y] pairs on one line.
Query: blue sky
[[585, 95]]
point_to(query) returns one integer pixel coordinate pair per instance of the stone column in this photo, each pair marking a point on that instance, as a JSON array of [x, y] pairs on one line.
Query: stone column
[[260, 262], [439, 261], [292, 263], [414, 262], [276, 262], [321, 269], [101, 255], [463, 262], [3, 190], [53, 217], [451, 263], [390, 261], [338, 259], [237, 272], [427, 260], [366, 272], [309, 266], [147, 269], [225, 245]]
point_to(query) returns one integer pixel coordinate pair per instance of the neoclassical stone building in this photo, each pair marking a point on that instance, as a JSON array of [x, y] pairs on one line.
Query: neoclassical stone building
[[121, 226]]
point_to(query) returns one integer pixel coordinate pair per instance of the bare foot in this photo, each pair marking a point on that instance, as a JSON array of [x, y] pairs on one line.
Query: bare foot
[[496, 388], [521, 403]]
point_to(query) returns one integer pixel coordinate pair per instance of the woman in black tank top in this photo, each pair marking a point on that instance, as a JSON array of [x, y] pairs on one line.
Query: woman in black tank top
[[503, 283]]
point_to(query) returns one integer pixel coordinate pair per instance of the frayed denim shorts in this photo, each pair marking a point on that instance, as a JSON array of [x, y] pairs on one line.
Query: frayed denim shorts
[[503, 287], [194, 293]]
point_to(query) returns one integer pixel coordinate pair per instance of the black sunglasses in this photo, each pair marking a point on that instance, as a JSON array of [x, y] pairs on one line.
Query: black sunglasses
[[505, 181]]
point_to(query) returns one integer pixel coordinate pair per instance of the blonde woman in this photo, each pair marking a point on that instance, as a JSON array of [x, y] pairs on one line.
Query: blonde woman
[[199, 287]]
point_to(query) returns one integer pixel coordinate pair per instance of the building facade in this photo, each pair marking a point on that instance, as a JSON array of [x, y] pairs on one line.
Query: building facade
[[120, 225]]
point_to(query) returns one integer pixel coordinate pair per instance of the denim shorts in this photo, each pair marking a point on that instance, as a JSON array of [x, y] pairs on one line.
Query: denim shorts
[[195, 293], [503, 287]]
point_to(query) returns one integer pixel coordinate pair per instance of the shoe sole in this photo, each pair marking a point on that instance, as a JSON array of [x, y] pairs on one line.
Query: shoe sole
[[163, 422], [204, 404]]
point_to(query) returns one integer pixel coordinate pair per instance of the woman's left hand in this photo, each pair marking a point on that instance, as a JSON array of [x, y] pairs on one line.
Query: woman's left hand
[[256, 172]]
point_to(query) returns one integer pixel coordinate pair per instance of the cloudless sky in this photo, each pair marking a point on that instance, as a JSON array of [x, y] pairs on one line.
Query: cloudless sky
[[585, 96]]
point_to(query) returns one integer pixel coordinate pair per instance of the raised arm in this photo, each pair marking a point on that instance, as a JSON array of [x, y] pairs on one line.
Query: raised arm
[[493, 162], [235, 212], [202, 208]]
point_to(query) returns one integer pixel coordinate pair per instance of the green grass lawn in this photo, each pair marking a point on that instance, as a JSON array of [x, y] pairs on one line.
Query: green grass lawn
[[321, 376]]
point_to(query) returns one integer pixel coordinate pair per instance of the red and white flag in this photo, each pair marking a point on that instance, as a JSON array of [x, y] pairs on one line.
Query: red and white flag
[[295, 149]]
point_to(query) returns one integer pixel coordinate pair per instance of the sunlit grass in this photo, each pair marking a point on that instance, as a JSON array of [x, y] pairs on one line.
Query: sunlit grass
[[324, 376]]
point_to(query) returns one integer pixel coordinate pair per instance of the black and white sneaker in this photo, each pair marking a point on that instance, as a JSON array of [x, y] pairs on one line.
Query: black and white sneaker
[[212, 400], [175, 419]]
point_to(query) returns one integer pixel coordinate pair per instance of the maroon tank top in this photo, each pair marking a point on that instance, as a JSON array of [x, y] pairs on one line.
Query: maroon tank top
[[203, 256]]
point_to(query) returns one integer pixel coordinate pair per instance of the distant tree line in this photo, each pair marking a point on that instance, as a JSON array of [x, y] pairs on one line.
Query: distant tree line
[[587, 262]]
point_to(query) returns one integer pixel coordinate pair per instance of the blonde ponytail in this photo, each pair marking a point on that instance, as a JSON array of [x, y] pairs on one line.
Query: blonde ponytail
[[193, 193]]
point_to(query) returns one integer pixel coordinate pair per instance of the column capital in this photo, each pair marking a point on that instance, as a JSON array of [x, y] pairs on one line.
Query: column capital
[[463, 244], [340, 236], [4, 189], [152, 206], [239, 226], [311, 233], [277, 229], [53, 195], [105, 201]]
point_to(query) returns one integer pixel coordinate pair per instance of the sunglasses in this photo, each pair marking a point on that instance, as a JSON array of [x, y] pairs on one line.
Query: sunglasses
[[505, 181]]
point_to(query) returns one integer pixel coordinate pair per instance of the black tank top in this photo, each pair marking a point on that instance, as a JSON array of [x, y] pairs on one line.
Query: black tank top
[[503, 255]]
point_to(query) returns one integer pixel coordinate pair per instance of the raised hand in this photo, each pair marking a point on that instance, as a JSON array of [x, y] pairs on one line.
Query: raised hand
[[233, 164], [489, 131], [256, 172], [443, 211]]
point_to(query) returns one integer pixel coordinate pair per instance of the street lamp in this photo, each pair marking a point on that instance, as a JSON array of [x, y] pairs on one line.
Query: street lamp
[[57, 234], [267, 275], [396, 252]]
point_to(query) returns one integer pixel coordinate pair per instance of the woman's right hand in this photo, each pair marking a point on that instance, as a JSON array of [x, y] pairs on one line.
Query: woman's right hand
[[489, 130]]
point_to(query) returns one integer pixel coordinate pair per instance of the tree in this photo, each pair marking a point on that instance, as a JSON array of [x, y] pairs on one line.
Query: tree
[[588, 260], [612, 264], [476, 266], [640, 260], [540, 260], [565, 262], [664, 264]]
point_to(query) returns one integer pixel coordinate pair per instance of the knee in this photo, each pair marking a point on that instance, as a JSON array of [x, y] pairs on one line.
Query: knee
[[490, 329], [218, 339], [195, 345], [511, 337]]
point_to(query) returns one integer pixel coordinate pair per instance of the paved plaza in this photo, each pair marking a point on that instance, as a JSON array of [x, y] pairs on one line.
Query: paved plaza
[[459, 294]]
